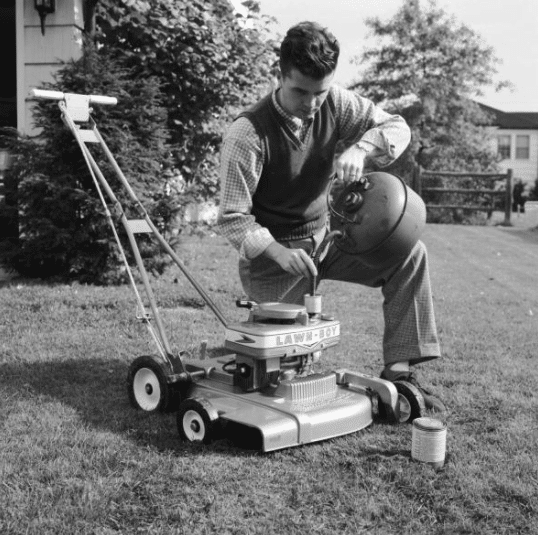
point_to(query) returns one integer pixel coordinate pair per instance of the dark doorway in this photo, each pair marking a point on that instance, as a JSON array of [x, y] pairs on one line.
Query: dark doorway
[[9, 227], [8, 66]]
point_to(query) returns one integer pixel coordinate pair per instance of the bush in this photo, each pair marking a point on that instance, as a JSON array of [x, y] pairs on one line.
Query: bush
[[63, 229], [210, 62]]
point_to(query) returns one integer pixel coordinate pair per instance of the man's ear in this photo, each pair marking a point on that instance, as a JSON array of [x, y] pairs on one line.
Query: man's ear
[[278, 76]]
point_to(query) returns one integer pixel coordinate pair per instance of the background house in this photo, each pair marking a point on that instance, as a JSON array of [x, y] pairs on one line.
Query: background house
[[35, 54], [517, 143]]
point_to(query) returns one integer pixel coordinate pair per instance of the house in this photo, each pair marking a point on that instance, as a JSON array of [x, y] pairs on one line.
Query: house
[[517, 143], [44, 34], [41, 34]]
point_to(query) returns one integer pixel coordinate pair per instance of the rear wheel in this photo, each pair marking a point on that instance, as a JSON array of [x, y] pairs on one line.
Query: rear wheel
[[410, 401], [404, 409], [148, 388]]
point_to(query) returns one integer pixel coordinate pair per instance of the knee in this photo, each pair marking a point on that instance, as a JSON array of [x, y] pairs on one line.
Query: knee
[[415, 263], [419, 251], [417, 260]]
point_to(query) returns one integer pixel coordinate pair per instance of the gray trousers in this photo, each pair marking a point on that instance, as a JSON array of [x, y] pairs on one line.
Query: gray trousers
[[410, 332]]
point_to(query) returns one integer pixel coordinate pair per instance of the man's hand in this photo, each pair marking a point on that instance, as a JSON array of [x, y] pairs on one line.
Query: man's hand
[[350, 164], [296, 261]]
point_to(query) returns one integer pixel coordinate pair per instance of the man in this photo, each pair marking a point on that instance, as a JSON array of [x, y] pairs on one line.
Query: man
[[277, 162]]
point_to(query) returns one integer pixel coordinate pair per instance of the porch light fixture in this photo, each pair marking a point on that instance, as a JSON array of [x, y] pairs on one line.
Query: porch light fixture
[[44, 8]]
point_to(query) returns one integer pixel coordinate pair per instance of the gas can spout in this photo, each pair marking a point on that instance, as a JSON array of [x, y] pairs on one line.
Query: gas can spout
[[321, 250]]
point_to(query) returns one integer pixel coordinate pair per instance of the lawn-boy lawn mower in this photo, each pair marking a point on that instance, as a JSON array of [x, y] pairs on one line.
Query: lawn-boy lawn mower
[[268, 386]]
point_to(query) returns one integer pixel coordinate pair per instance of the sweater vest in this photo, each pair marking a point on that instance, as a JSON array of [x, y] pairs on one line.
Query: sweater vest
[[291, 197]]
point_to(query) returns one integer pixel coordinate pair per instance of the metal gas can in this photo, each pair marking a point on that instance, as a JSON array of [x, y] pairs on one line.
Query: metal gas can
[[380, 219], [429, 441]]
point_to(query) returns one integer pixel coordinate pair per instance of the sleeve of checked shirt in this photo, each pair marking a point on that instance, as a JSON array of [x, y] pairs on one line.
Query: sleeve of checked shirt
[[383, 135]]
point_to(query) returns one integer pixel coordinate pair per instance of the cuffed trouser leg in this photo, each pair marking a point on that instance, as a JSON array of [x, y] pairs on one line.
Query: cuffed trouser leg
[[410, 331]]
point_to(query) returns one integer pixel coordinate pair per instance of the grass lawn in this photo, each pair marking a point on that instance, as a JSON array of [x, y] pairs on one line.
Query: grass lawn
[[75, 458]]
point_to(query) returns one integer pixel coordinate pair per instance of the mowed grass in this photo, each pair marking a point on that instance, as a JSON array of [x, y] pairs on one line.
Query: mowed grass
[[75, 457]]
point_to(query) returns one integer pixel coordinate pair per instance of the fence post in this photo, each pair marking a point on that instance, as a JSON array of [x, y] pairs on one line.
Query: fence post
[[508, 199]]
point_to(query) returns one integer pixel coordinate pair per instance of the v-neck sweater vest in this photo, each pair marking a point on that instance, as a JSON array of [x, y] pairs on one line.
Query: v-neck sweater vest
[[291, 197]]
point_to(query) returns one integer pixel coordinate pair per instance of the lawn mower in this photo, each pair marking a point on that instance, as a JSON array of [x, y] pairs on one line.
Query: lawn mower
[[268, 385]]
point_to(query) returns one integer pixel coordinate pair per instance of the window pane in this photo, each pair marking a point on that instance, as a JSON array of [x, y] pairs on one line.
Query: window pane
[[522, 147], [503, 144]]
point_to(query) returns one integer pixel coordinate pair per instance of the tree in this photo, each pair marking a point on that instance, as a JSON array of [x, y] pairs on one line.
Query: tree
[[210, 62], [428, 67]]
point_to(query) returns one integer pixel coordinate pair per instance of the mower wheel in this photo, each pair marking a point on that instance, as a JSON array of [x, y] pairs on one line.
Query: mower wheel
[[148, 388], [410, 400], [197, 420]]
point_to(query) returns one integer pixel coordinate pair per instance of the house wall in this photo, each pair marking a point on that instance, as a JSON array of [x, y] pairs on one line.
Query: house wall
[[40, 56], [526, 170]]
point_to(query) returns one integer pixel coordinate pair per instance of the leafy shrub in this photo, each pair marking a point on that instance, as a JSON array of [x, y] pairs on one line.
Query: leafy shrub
[[64, 232], [210, 62]]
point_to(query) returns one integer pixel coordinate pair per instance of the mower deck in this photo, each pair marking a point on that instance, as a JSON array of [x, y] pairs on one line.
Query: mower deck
[[293, 413]]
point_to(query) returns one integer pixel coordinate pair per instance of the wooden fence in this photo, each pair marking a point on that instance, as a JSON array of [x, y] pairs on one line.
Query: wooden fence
[[479, 191]]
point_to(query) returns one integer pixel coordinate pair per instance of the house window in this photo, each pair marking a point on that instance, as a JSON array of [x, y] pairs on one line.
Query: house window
[[522, 147], [503, 147]]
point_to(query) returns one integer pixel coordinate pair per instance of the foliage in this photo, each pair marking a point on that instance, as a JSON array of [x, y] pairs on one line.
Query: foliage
[[63, 229], [428, 67], [209, 61]]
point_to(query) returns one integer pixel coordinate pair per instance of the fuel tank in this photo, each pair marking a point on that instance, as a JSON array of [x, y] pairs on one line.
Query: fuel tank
[[380, 219]]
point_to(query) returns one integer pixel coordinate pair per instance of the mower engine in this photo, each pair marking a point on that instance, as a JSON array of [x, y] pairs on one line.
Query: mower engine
[[267, 387], [279, 344]]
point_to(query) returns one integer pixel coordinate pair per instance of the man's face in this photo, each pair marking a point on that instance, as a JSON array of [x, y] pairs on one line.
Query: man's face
[[301, 95]]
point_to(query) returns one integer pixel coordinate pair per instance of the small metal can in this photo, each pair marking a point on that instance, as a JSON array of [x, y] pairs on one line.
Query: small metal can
[[429, 441], [313, 304]]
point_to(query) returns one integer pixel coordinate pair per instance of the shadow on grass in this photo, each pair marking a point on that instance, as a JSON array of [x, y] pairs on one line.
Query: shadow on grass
[[97, 391]]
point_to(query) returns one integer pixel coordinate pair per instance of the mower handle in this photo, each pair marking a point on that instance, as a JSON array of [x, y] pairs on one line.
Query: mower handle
[[59, 95]]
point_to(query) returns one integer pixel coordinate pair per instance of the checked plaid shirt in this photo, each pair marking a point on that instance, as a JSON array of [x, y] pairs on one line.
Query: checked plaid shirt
[[359, 121]]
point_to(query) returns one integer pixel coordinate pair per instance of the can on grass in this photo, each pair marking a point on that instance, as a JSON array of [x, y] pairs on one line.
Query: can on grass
[[429, 441]]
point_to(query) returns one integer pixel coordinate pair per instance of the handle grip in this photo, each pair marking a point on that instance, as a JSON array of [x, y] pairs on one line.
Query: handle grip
[[59, 95]]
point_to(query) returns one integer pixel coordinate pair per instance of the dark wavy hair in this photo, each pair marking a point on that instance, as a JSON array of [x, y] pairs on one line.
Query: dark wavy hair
[[311, 49]]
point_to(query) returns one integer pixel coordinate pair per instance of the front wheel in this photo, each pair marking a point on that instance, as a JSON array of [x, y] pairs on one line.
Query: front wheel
[[197, 420], [148, 388]]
